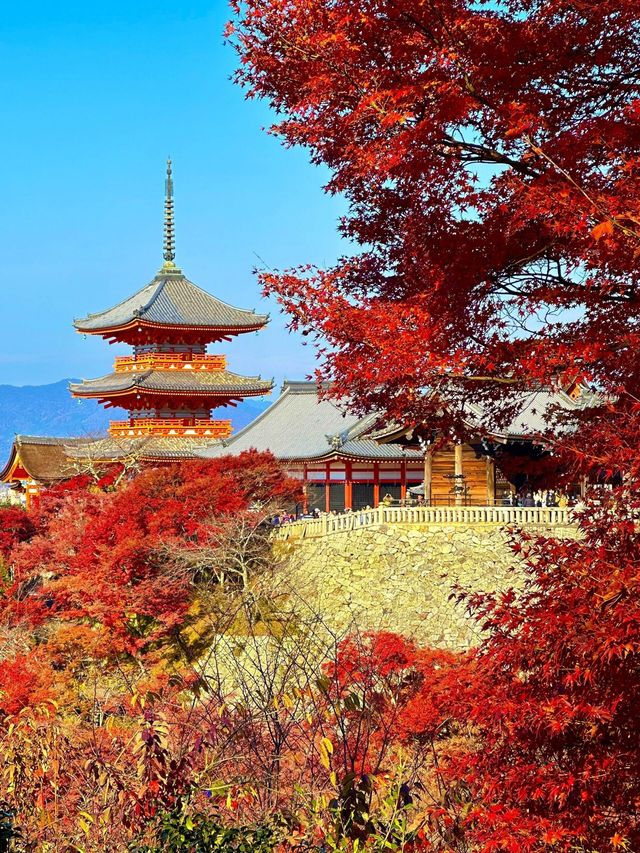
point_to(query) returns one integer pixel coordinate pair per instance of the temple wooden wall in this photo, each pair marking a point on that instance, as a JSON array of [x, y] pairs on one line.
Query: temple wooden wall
[[473, 481], [442, 482], [475, 476]]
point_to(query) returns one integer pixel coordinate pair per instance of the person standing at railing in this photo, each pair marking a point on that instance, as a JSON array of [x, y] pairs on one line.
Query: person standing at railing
[[577, 508]]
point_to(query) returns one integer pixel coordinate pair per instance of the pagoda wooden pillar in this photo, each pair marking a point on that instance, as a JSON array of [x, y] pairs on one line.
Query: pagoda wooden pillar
[[376, 485], [428, 475], [403, 480], [458, 470]]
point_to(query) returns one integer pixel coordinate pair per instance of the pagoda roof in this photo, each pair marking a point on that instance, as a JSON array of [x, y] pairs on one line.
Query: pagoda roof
[[171, 300], [201, 383]]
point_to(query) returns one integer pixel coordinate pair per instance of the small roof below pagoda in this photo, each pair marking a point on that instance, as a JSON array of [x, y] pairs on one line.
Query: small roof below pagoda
[[147, 449], [199, 383], [174, 301], [42, 459], [47, 460]]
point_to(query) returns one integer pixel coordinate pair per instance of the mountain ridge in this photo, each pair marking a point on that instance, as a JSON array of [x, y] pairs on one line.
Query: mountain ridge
[[50, 410]]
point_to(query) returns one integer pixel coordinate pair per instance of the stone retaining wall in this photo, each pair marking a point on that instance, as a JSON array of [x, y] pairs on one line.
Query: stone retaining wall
[[400, 578]]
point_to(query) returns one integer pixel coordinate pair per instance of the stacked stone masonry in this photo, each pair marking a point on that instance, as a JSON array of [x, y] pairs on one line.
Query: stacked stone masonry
[[400, 577]]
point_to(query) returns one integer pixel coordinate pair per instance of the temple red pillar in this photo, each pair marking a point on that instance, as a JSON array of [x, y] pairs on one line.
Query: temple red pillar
[[327, 488], [32, 493], [348, 486], [376, 485], [403, 480]]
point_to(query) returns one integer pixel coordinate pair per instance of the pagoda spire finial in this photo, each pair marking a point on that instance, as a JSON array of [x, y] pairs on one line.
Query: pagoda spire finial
[[169, 248]]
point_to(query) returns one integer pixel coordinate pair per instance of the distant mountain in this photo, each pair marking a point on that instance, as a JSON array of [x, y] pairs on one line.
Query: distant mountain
[[50, 410]]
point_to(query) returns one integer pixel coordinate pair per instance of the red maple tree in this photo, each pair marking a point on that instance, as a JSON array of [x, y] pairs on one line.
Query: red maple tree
[[551, 699], [16, 525], [529, 743], [488, 154], [102, 606], [535, 733]]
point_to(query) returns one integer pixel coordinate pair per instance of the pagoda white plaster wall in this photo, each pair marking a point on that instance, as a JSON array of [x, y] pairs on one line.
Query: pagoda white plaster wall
[[400, 578]]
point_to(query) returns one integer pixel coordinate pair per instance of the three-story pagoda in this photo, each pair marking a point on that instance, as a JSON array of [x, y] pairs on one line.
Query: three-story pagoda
[[170, 384]]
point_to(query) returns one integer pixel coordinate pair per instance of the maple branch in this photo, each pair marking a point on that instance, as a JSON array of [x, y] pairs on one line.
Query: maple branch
[[487, 154], [601, 210]]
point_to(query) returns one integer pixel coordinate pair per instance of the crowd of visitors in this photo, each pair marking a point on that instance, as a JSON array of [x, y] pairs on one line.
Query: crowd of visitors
[[549, 498], [523, 498]]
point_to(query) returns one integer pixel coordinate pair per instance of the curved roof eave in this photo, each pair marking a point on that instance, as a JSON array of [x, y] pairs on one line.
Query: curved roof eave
[[170, 300], [172, 382], [147, 324], [5, 473], [299, 428]]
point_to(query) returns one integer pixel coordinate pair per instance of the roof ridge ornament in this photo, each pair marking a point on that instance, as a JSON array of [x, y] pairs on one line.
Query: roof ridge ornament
[[338, 440], [169, 246]]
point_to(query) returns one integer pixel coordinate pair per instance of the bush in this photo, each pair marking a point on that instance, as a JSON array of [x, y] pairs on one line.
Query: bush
[[178, 833]]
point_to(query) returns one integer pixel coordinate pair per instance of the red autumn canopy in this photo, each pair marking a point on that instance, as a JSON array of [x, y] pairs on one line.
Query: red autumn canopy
[[489, 156]]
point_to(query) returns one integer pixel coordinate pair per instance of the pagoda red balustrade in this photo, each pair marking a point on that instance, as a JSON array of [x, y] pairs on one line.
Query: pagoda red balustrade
[[179, 427], [169, 361]]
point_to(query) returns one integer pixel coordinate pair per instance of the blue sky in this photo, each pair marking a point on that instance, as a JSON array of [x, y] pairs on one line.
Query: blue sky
[[94, 97]]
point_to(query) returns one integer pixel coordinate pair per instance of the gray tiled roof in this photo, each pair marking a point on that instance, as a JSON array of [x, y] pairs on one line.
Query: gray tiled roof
[[168, 381], [300, 426], [535, 411], [370, 449], [171, 299]]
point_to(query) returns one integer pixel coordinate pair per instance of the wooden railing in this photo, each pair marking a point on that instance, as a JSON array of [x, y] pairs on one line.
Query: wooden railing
[[184, 427], [469, 515], [169, 361]]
